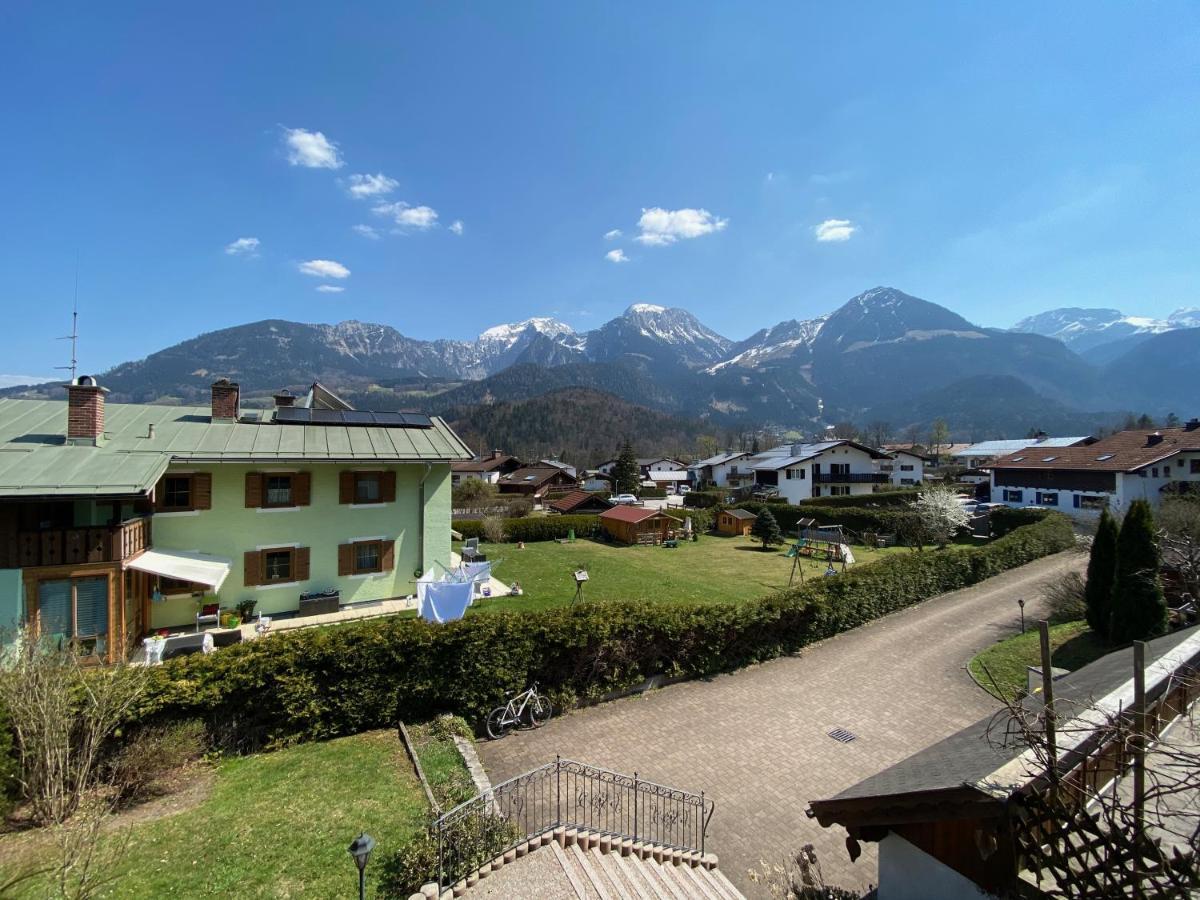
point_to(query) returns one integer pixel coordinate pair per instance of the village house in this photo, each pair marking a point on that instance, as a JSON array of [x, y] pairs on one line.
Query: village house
[[595, 480], [723, 470], [1112, 472], [646, 465], [488, 468], [579, 503], [115, 518], [985, 453], [903, 467], [537, 481], [801, 472]]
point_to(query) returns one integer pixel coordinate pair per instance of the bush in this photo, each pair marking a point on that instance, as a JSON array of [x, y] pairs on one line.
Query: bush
[[897, 497], [542, 528], [492, 529], [469, 843], [1065, 597], [1005, 519], [703, 499], [1139, 609], [10, 769], [322, 682], [519, 509], [1101, 572], [855, 518], [136, 768]]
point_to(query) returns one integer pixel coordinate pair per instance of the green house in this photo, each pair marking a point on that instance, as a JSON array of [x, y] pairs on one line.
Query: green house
[[117, 520]]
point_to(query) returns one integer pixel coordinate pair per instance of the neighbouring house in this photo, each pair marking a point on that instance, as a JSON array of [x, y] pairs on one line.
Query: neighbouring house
[[987, 452], [646, 465], [903, 467], [488, 468], [670, 481], [735, 522], [638, 525], [115, 517], [536, 481], [723, 470], [963, 817], [827, 468], [579, 503], [595, 480], [559, 464], [1112, 472]]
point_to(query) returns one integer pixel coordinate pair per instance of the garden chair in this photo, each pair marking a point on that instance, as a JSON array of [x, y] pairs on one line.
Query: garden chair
[[470, 549], [209, 614]]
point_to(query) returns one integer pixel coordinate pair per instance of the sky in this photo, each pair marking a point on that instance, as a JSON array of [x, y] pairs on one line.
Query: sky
[[445, 167]]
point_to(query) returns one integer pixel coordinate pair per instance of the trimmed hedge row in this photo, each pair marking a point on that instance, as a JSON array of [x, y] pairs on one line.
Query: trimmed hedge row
[[536, 528], [317, 683], [856, 518], [1005, 519], [898, 497]]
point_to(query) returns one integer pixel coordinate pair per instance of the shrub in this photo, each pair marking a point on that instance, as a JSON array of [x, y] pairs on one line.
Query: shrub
[[766, 529], [1066, 597], [136, 768], [542, 528], [1101, 571], [492, 528], [519, 509], [897, 497], [1004, 519], [468, 844], [1139, 609], [321, 682], [10, 771], [703, 499]]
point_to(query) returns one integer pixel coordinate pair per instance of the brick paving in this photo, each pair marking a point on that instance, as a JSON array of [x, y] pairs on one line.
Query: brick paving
[[756, 740]]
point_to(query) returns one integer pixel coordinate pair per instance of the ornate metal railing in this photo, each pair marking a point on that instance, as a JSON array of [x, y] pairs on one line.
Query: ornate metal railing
[[573, 795]]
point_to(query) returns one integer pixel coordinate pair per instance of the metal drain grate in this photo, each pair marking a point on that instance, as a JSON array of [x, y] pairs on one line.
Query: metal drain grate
[[841, 734]]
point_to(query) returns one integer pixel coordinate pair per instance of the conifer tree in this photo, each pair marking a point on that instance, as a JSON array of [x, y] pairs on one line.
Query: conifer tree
[[1139, 609], [1101, 572], [767, 530], [626, 474]]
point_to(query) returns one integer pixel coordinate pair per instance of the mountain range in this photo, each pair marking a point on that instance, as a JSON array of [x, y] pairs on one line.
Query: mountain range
[[883, 355]]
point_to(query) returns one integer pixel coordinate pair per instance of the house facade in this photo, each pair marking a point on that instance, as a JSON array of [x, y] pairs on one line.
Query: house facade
[[903, 467], [115, 518], [536, 481], [801, 472], [1110, 473], [488, 468], [723, 470], [985, 453]]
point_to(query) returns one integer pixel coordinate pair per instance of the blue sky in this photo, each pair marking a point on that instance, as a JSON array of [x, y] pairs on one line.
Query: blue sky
[[999, 159]]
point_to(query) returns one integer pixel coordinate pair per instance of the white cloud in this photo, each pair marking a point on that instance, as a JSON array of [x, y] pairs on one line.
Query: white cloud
[[612, 235], [311, 149], [834, 230], [243, 247], [419, 217], [666, 226], [324, 268], [616, 256], [330, 288], [371, 185], [366, 231], [14, 380], [457, 227]]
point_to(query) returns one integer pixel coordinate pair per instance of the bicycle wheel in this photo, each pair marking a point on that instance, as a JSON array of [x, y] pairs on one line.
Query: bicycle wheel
[[539, 710], [497, 727]]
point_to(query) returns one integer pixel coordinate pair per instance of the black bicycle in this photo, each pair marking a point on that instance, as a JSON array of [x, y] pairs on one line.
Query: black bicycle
[[528, 706]]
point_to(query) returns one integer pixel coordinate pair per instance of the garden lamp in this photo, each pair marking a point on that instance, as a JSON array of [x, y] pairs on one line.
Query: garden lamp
[[361, 849], [1021, 603]]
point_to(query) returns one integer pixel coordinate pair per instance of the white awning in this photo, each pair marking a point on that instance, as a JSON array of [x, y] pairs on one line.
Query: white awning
[[196, 567]]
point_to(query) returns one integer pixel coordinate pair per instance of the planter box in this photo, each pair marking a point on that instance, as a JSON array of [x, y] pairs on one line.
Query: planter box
[[317, 603]]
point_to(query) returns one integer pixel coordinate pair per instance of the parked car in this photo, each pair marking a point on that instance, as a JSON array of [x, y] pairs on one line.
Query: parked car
[[625, 499], [765, 493], [683, 489]]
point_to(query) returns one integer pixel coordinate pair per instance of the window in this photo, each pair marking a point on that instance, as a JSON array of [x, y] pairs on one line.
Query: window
[[1092, 502], [1047, 499], [1013, 496], [795, 474], [366, 487], [277, 565], [906, 468], [279, 490], [886, 467], [1154, 472], [177, 492], [839, 468], [1195, 469], [75, 609], [839, 490], [367, 557]]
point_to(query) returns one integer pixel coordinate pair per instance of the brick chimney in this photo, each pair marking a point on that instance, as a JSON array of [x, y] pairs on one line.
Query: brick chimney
[[1191, 424], [1154, 439], [226, 400], [284, 398], [85, 411]]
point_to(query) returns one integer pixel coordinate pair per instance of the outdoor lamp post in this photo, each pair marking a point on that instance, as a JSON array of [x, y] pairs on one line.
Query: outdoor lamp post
[[361, 851], [1021, 603]]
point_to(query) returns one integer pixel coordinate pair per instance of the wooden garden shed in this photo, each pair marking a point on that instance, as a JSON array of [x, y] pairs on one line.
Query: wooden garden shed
[[636, 525], [735, 522]]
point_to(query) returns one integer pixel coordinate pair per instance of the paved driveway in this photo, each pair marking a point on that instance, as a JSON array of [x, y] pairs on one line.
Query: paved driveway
[[756, 740]]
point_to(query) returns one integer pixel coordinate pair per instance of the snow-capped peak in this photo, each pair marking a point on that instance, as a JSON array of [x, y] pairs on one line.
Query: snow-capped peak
[[645, 309], [510, 332]]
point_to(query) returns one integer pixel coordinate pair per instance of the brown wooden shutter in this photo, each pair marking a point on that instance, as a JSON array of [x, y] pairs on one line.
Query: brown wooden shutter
[[302, 488], [345, 559], [387, 486], [254, 490], [252, 564], [387, 559], [202, 490], [345, 487], [300, 564]]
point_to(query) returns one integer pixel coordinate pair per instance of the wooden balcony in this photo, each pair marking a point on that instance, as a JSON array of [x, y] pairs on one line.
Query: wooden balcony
[[73, 546], [852, 478]]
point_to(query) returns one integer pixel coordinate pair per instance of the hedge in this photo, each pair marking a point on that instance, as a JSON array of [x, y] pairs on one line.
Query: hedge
[[898, 497], [1005, 519], [321, 682], [537, 528], [856, 518]]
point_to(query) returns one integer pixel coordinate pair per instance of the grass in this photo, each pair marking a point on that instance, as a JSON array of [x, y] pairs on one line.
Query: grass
[[1072, 646], [712, 570], [275, 824]]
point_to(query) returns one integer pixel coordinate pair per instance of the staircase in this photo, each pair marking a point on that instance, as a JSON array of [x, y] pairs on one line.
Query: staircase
[[584, 865]]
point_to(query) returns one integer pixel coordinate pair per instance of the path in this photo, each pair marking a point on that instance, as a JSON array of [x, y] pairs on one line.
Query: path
[[756, 741]]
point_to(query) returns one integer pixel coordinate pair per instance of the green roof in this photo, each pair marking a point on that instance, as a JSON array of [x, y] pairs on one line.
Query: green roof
[[35, 459]]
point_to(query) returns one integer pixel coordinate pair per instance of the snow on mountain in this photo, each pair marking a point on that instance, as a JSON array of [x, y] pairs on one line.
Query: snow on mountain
[[509, 334], [1083, 329], [790, 339]]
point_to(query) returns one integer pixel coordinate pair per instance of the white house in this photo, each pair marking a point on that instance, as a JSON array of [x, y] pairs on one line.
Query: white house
[[1113, 472], [903, 467], [825, 469], [484, 468], [721, 470]]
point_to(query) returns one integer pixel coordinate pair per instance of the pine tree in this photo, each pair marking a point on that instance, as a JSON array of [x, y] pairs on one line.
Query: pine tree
[[626, 473], [1101, 572], [1139, 609], [766, 529]]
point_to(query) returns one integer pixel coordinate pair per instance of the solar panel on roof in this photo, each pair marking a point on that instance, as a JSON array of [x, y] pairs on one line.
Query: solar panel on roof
[[292, 415], [295, 415], [417, 420], [358, 417], [327, 417]]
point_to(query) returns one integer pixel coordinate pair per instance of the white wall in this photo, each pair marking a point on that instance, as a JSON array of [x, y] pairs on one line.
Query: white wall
[[904, 471], [489, 477], [907, 872]]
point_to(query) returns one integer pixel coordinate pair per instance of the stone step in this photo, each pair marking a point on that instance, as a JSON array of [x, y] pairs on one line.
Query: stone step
[[665, 879], [598, 882], [700, 885], [621, 888], [717, 877], [574, 874], [645, 884]]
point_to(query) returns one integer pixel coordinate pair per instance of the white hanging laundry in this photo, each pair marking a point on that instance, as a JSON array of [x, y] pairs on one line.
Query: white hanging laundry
[[444, 601], [847, 556]]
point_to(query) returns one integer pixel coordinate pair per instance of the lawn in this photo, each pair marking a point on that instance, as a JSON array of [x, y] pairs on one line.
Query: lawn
[[712, 570], [1072, 646], [276, 824]]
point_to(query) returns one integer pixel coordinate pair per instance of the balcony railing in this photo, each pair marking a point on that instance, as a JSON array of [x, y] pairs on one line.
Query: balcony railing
[[851, 478], [73, 546]]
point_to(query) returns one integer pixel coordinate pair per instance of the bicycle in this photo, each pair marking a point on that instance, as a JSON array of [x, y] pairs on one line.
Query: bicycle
[[529, 704]]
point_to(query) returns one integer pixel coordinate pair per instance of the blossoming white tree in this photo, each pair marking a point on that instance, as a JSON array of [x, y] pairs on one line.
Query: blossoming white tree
[[941, 513]]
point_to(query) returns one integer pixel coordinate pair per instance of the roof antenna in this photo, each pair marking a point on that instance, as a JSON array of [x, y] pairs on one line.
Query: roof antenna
[[73, 337]]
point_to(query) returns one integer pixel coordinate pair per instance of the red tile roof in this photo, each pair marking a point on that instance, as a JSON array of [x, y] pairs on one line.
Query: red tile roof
[[1125, 451], [633, 514], [572, 500]]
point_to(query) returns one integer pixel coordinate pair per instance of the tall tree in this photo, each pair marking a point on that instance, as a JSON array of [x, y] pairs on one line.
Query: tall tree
[[1101, 573], [766, 529], [1139, 609], [626, 473], [939, 434], [878, 433]]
